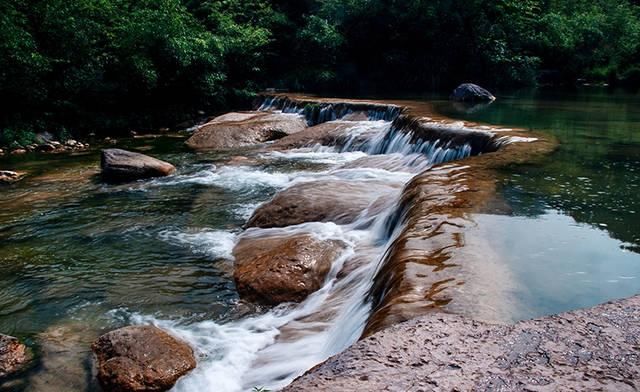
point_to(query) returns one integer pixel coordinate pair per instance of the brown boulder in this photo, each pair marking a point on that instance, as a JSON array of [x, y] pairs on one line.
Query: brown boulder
[[328, 133], [9, 177], [244, 129], [120, 164], [13, 355], [276, 269], [319, 201], [141, 358]]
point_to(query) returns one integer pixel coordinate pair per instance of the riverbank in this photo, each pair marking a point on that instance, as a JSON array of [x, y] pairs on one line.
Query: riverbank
[[588, 349]]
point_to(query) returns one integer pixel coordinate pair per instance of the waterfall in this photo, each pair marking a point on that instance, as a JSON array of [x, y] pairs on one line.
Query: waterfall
[[320, 112], [272, 348]]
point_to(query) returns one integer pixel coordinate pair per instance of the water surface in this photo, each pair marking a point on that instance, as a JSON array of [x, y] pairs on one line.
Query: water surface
[[573, 238], [79, 257]]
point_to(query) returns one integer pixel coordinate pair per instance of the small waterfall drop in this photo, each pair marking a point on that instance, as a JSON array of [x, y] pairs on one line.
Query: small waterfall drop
[[272, 348]]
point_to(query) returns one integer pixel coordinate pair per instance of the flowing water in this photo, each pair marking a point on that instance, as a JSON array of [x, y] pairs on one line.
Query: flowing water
[[80, 257]]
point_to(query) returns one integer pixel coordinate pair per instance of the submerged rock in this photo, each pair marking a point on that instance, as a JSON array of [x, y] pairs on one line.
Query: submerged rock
[[276, 269], [9, 177], [64, 362], [243, 129], [13, 355], [319, 201], [469, 92], [120, 164], [141, 358]]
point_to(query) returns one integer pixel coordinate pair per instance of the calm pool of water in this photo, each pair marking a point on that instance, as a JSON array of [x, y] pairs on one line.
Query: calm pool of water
[[573, 239]]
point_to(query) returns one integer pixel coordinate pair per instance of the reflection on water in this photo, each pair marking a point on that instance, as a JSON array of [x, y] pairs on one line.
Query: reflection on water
[[594, 176], [574, 237], [558, 264]]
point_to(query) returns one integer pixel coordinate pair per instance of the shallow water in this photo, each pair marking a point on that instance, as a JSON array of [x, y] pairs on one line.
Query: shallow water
[[80, 257], [573, 237]]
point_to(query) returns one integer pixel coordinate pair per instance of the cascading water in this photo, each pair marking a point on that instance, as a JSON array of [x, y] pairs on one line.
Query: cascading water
[[272, 348]]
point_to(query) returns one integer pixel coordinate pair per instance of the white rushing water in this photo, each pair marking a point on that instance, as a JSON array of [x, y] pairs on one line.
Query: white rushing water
[[271, 349]]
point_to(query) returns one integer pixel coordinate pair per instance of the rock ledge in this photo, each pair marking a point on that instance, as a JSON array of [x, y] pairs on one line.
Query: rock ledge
[[589, 349]]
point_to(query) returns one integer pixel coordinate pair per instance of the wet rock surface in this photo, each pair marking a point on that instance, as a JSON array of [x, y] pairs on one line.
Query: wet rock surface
[[122, 165], [327, 133], [319, 201], [13, 355], [273, 269], [244, 129], [469, 92], [583, 350], [141, 358], [9, 177]]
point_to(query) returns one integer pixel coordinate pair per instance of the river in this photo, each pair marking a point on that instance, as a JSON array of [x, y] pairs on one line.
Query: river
[[80, 257]]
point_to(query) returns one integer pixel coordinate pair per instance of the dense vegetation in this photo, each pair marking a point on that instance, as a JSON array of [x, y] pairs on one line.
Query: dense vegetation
[[80, 65]]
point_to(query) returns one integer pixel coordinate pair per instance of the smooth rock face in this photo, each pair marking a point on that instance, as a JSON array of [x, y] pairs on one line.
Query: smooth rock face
[[9, 177], [319, 201], [469, 92], [593, 349], [141, 358], [244, 129], [276, 269], [120, 164], [13, 355]]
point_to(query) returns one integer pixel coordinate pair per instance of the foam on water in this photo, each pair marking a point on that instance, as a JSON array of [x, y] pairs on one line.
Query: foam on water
[[230, 177], [311, 155], [213, 243], [272, 348]]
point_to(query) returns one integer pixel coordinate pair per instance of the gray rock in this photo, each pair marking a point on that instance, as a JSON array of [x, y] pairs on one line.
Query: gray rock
[[122, 165], [469, 92], [583, 350]]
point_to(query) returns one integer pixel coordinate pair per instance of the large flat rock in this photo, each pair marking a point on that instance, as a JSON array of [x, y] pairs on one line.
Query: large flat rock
[[234, 130], [595, 349], [123, 165], [320, 201]]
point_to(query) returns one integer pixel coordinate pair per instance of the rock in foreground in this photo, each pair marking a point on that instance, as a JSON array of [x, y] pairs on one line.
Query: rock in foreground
[[122, 165], [592, 349], [276, 269], [469, 92], [141, 358], [13, 355], [244, 129]]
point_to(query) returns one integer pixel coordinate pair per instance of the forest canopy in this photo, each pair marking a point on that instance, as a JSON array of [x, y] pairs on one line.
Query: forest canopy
[[82, 65]]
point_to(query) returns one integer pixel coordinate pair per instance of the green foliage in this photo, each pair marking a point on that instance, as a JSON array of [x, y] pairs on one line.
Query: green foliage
[[16, 138], [113, 64]]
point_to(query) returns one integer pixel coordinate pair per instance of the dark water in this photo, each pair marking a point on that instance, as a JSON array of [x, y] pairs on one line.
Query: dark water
[[574, 237]]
